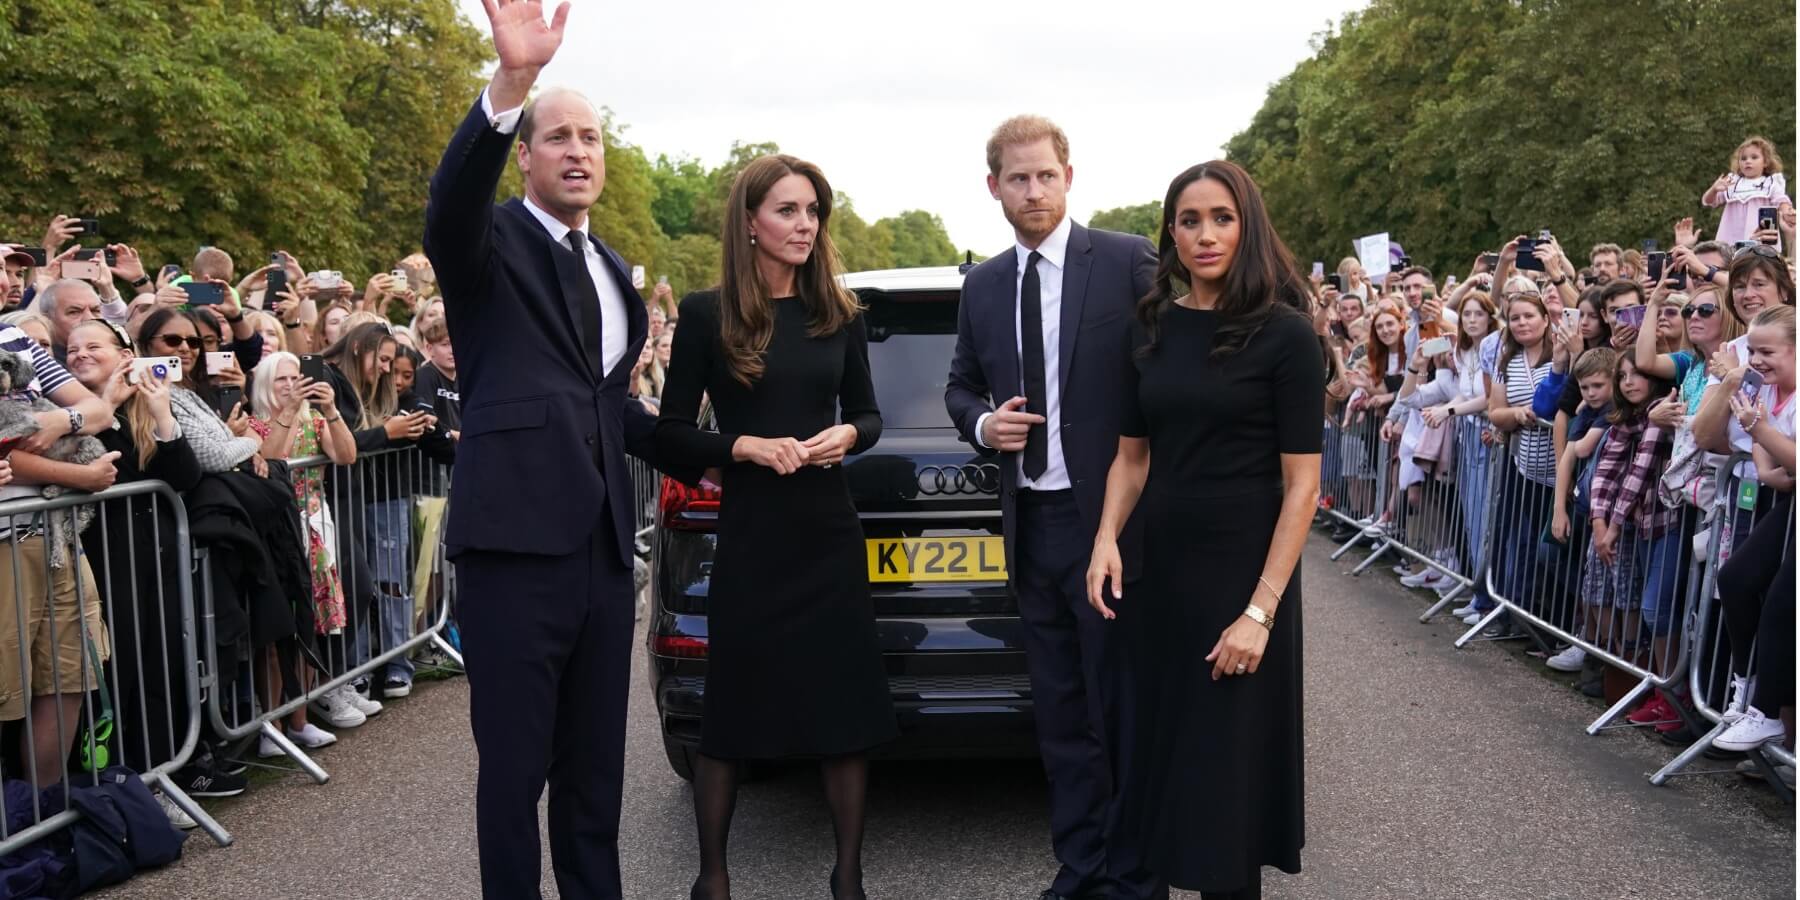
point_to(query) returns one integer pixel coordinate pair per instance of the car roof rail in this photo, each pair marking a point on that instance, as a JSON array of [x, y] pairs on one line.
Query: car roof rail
[[967, 263]]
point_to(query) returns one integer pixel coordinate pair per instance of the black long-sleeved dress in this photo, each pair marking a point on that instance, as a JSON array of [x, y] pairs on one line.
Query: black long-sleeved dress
[[794, 667]]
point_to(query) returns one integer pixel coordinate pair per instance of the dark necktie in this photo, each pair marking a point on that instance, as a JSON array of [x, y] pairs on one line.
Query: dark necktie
[[1031, 347], [589, 303]]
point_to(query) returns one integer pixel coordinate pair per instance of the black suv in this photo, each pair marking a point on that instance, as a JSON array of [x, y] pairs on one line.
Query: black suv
[[930, 509]]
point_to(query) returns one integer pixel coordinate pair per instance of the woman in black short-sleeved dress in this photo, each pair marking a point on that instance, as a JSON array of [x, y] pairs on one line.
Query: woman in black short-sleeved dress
[[1221, 447], [794, 665]]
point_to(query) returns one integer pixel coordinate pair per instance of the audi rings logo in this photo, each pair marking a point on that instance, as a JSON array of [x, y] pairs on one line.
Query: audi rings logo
[[983, 478]]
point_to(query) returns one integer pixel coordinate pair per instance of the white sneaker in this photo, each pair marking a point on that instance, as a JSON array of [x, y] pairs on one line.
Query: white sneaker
[[268, 749], [369, 708], [177, 818], [1423, 579], [1740, 698], [1463, 611], [1403, 570], [312, 737], [1473, 618], [1570, 660], [336, 709], [1750, 731]]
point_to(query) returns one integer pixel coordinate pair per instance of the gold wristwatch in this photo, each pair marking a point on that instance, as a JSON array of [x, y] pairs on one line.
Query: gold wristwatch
[[1255, 614]]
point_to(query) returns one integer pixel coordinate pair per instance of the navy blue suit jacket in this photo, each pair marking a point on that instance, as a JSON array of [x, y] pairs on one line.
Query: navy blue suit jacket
[[544, 431], [1104, 275]]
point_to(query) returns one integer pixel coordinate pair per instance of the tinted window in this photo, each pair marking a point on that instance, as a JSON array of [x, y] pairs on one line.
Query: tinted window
[[912, 335]]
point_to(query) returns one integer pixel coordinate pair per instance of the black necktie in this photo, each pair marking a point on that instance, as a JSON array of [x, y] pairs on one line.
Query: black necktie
[[590, 303], [1031, 347]]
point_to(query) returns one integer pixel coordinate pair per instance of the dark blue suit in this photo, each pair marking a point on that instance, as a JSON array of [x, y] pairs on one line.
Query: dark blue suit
[[540, 524], [1049, 539]]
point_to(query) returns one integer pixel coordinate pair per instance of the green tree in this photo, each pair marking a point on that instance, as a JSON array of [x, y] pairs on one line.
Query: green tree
[[863, 247], [691, 262], [1455, 126], [680, 184], [1144, 219], [919, 239]]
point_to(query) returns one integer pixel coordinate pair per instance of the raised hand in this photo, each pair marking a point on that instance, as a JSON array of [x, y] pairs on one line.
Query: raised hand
[[521, 38]]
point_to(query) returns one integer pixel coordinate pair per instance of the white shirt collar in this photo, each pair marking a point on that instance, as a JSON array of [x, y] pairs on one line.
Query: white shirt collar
[[558, 231], [1053, 248]]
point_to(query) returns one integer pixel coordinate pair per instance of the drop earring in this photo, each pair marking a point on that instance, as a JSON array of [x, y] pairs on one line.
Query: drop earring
[[752, 240]]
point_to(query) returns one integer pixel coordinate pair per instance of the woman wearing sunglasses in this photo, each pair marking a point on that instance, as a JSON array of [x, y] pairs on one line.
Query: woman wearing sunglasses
[[219, 445], [1707, 323]]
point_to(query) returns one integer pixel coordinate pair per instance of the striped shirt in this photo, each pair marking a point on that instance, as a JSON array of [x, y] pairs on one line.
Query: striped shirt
[[50, 373], [1534, 449]]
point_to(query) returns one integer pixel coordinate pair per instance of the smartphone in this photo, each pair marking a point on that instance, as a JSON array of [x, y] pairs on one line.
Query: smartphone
[[171, 271], [1527, 259], [1318, 269], [1678, 278], [1437, 346], [404, 279], [1360, 353], [111, 256], [1544, 235], [637, 277], [277, 282], [312, 367], [88, 225], [8, 445], [1656, 261], [1571, 316], [1752, 384], [204, 293], [229, 398], [1630, 316], [219, 361], [1429, 293], [1405, 263], [83, 269], [1490, 261], [1336, 281], [1649, 245], [39, 256], [662, 279], [164, 368]]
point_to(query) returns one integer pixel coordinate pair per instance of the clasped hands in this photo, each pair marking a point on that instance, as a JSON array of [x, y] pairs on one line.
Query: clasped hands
[[786, 455]]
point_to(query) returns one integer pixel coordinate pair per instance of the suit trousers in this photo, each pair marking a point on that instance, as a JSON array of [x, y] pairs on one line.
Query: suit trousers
[[547, 644], [1078, 699]]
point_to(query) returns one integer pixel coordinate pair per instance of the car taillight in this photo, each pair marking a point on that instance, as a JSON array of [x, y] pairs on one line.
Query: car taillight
[[679, 647], [689, 508]]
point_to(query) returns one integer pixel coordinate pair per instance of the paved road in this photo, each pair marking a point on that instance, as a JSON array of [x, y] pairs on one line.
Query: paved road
[[1432, 773]]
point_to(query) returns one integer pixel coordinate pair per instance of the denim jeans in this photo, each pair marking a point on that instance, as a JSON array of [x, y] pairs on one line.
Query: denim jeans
[[388, 537], [1472, 468]]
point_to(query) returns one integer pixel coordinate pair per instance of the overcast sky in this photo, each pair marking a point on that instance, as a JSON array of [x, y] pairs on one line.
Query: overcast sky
[[895, 100]]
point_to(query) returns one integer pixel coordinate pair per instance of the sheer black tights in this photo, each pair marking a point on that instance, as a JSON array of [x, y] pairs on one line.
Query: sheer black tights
[[846, 781]]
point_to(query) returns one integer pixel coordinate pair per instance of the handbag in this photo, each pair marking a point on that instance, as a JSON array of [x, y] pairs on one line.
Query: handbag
[[1690, 477]]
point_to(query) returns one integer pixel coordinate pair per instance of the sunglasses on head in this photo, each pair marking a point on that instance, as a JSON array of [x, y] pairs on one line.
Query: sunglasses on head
[[1762, 250], [1703, 310], [174, 341]]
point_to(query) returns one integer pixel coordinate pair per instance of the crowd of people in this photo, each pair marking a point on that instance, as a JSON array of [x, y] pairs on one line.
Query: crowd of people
[[1572, 423], [227, 389]]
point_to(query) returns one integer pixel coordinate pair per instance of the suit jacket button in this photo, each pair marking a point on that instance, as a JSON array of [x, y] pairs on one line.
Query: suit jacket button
[[590, 440]]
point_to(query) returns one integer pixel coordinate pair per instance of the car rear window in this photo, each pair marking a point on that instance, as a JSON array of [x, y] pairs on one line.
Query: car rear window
[[912, 335]]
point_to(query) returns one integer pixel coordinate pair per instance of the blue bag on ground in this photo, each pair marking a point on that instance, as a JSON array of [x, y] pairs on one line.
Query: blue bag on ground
[[122, 830]]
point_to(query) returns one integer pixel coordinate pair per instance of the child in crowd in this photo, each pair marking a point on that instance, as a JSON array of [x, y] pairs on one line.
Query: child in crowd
[[1593, 374], [1756, 586], [1625, 573], [1755, 182]]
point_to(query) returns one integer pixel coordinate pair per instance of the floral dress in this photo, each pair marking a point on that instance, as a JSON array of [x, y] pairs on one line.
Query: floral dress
[[309, 494]]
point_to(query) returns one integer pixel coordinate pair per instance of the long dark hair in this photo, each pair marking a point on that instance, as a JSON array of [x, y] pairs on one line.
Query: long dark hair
[[378, 399], [1262, 280], [198, 382], [746, 311]]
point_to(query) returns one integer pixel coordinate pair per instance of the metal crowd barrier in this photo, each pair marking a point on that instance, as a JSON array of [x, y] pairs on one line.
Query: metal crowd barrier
[[131, 694], [1710, 674], [380, 521]]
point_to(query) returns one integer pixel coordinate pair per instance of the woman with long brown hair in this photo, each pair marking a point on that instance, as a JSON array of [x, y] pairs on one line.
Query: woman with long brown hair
[[1221, 445], [794, 666]]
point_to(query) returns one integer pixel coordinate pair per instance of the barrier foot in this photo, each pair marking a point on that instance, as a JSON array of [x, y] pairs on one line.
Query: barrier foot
[[1687, 756], [293, 751], [187, 805], [1443, 602], [1478, 627], [1381, 550], [443, 646], [1618, 709], [1770, 777]]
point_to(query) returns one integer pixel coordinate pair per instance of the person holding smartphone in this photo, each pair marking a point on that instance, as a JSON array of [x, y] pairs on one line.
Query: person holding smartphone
[[220, 444], [1753, 184]]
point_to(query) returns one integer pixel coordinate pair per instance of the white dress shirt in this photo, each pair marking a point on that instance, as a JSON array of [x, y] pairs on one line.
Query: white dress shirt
[[615, 321], [1053, 253]]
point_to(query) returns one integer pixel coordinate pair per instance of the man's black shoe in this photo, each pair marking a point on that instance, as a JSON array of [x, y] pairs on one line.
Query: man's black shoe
[[197, 781]]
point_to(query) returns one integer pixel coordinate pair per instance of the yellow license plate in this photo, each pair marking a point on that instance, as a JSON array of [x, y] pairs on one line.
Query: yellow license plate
[[937, 559]]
